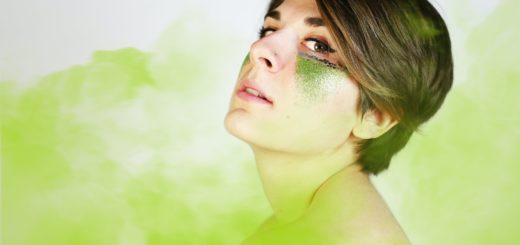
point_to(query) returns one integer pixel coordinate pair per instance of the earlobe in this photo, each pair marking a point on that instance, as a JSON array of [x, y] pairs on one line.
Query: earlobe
[[373, 124]]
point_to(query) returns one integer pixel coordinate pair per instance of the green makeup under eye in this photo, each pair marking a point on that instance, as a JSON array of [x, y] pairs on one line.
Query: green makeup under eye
[[317, 78], [246, 60]]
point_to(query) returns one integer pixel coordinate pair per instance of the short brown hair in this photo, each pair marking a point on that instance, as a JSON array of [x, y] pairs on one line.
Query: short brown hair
[[399, 52]]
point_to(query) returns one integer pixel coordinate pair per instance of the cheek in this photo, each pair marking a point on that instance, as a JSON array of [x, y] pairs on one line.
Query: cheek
[[326, 102], [316, 129], [316, 82], [341, 111], [320, 127], [323, 88]]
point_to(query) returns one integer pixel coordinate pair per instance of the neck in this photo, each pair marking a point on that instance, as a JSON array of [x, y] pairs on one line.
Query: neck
[[291, 180]]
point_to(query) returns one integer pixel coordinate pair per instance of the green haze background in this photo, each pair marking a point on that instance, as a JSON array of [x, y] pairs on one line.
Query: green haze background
[[129, 147]]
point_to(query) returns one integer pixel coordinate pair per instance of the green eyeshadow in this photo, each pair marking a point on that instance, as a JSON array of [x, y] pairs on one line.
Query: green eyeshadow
[[316, 78]]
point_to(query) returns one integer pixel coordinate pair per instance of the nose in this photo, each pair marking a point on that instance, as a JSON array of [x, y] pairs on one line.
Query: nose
[[274, 51]]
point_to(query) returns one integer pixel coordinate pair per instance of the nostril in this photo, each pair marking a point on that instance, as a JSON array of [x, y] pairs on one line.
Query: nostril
[[268, 63]]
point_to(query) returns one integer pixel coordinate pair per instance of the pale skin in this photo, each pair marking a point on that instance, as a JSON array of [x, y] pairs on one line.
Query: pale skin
[[304, 151]]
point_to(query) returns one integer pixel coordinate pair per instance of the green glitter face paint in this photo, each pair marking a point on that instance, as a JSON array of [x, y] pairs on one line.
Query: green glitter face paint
[[244, 63], [246, 60], [317, 78]]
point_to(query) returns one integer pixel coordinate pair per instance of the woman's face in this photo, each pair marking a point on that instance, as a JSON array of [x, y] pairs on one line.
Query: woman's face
[[291, 94]]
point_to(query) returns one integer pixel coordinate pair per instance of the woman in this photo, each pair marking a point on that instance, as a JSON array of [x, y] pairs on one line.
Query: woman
[[330, 91]]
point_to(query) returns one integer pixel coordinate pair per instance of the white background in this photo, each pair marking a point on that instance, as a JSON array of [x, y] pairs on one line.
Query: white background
[[38, 37]]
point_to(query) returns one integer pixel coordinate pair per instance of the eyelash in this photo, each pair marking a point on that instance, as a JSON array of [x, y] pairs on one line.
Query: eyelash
[[327, 49], [263, 30]]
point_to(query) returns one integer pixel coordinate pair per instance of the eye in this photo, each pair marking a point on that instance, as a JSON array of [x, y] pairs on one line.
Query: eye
[[318, 46], [264, 31]]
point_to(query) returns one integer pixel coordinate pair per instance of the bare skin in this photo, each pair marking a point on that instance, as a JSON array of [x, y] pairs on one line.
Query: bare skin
[[346, 209], [305, 151]]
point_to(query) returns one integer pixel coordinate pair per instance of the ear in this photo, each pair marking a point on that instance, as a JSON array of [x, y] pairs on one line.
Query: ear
[[373, 124]]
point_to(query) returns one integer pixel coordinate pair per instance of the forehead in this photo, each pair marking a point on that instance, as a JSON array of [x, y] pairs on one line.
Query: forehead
[[297, 9]]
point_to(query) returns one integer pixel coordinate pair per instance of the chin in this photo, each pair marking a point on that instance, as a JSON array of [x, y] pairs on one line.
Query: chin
[[237, 125], [244, 130]]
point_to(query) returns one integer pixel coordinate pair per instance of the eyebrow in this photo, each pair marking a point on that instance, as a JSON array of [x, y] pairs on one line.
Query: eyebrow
[[314, 21], [311, 21], [273, 14]]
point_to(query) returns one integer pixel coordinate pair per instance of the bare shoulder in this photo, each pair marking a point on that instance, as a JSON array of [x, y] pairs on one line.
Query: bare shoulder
[[303, 232], [345, 210], [350, 207], [376, 233], [366, 229], [298, 232]]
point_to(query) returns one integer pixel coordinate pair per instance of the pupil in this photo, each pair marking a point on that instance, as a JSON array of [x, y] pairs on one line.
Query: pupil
[[318, 47]]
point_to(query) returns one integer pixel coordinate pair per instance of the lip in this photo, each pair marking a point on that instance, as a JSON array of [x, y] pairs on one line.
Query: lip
[[249, 97]]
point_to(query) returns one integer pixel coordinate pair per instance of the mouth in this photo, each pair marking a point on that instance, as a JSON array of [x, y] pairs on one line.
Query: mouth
[[250, 92]]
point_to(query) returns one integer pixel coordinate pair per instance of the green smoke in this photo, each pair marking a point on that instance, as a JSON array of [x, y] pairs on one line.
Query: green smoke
[[130, 149], [457, 182]]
